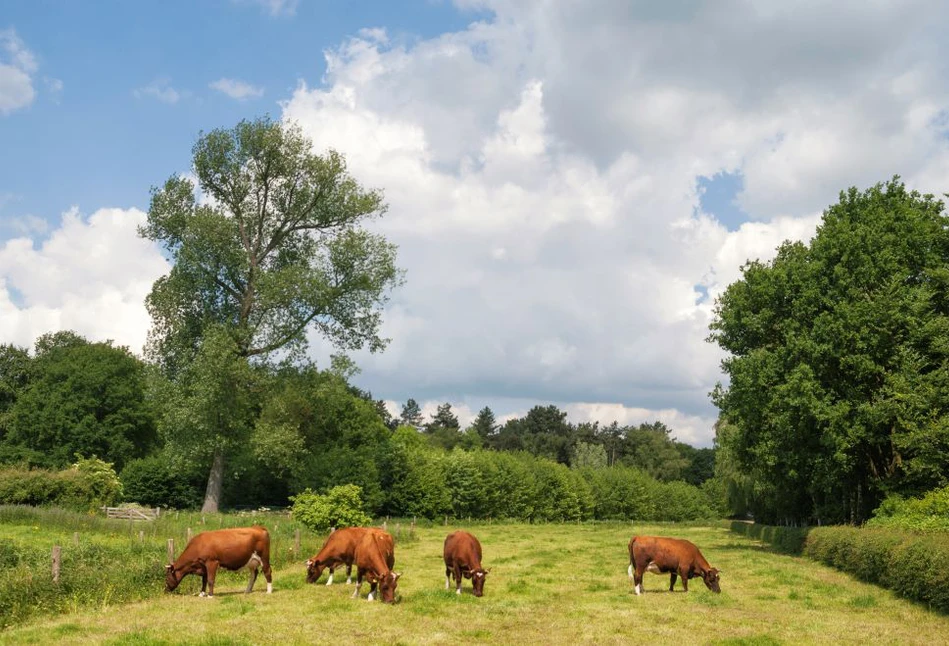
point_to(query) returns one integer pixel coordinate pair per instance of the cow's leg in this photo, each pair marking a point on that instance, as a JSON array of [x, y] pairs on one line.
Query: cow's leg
[[252, 580], [372, 590], [685, 579], [638, 579], [349, 573], [672, 581], [204, 582], [268, 574], [359, 575], [447, 578], [457, 579], [329, 581], [211, 567]]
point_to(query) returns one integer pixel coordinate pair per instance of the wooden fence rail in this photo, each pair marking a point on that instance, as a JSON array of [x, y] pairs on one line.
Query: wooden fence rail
[[132, 513]]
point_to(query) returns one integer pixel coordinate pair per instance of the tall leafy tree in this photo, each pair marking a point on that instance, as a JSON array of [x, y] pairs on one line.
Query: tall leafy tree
[[277, 249], [838, 359], [81, 398]]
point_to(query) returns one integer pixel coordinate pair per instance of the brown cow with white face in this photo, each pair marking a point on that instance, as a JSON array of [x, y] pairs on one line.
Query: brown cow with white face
[[375, 557], [677, 556], [339, 548], [463, 559], [232, 549]]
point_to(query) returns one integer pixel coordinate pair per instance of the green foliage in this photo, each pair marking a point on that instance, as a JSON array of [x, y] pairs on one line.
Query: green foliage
[[837, 389], [911, 565], [79, 397], [586, 454], [153, 482], [341, 506], [86, 486], [788, 540], [928, 513], [280, 251]]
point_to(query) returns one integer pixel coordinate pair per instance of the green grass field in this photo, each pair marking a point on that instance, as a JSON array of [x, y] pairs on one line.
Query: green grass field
[[549, 584]]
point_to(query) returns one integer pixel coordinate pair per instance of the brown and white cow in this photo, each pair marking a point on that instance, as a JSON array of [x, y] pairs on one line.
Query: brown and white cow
[[463, 559], [375, 557], [677, 556], [232, 549], [339, 548]]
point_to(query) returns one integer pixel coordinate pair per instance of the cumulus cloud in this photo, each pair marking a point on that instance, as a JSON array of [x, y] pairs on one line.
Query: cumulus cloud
[[541, 168], [237, 89], [17, 66], [160, 89], [90, 274]]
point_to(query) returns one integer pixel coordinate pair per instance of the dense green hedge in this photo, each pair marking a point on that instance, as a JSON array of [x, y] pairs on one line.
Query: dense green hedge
[[928, 513], [789, 540], [911, 564], [86, 486]]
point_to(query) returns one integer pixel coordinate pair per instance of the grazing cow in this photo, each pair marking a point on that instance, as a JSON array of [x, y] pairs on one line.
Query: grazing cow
[[231, 549], [375, 556], [463, 559], [339, 548], [677, 556]]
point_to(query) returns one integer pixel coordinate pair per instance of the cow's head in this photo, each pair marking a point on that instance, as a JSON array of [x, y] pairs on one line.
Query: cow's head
[[387, 586], [313, 571], [477, 581], [171, 578], [711, 580]]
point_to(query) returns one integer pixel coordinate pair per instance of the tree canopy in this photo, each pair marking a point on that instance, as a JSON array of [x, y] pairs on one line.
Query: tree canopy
[[837, 367], [276, 249]]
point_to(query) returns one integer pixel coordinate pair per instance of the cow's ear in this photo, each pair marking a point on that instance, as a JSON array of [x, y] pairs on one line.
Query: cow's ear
[[488, 571], [397, 575]]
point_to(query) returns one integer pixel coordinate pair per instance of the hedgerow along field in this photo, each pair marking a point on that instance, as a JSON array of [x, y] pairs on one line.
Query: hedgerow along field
[[549, 584]]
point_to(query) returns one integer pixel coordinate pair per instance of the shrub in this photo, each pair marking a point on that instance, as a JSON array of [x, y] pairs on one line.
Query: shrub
[[929, 513], [340, 507], [86, 486], [151, 482]]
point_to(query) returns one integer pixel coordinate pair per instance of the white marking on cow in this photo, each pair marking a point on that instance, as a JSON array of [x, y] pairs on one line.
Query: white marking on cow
[[202, 594], [458, 591], [652, 567], [349, 580], [329, 581], [639, 589], [369, 598], [254, 562], [629, 570], [269, 588]]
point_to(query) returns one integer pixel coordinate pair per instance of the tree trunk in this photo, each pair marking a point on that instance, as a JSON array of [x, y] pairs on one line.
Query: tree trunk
[[212, 496]]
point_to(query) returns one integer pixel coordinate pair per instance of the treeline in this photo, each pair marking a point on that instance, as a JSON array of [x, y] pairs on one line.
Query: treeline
[[838, 364], [298, 427]]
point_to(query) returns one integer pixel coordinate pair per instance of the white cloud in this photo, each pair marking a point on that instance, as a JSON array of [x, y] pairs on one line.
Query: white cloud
[[91, 275], [17, 65], [236, 89], [160, 89], [541, 171]]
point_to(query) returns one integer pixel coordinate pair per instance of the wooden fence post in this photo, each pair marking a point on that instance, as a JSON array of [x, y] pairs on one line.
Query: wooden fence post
[[171, 550], [189, 535], [296, 543], [57, 561]]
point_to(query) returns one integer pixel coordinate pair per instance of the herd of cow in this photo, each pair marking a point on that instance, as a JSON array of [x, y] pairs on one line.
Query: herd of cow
[[372, 550]]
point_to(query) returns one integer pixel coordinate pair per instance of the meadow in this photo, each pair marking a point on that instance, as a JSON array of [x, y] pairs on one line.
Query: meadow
[[549, 584]]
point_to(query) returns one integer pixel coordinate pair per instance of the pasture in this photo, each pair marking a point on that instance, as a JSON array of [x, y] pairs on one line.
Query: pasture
[[549, 584]]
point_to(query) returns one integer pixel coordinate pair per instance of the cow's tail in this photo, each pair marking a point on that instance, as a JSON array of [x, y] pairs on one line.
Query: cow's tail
[[632, 560]]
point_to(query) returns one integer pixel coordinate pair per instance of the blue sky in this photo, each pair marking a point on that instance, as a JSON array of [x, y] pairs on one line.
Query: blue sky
[[95, 143], [570, 185]]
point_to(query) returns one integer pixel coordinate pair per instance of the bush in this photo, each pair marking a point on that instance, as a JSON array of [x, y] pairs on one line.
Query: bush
[[787, 540], [340, 507], [929, 513], [86, 486], [151, 482]]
